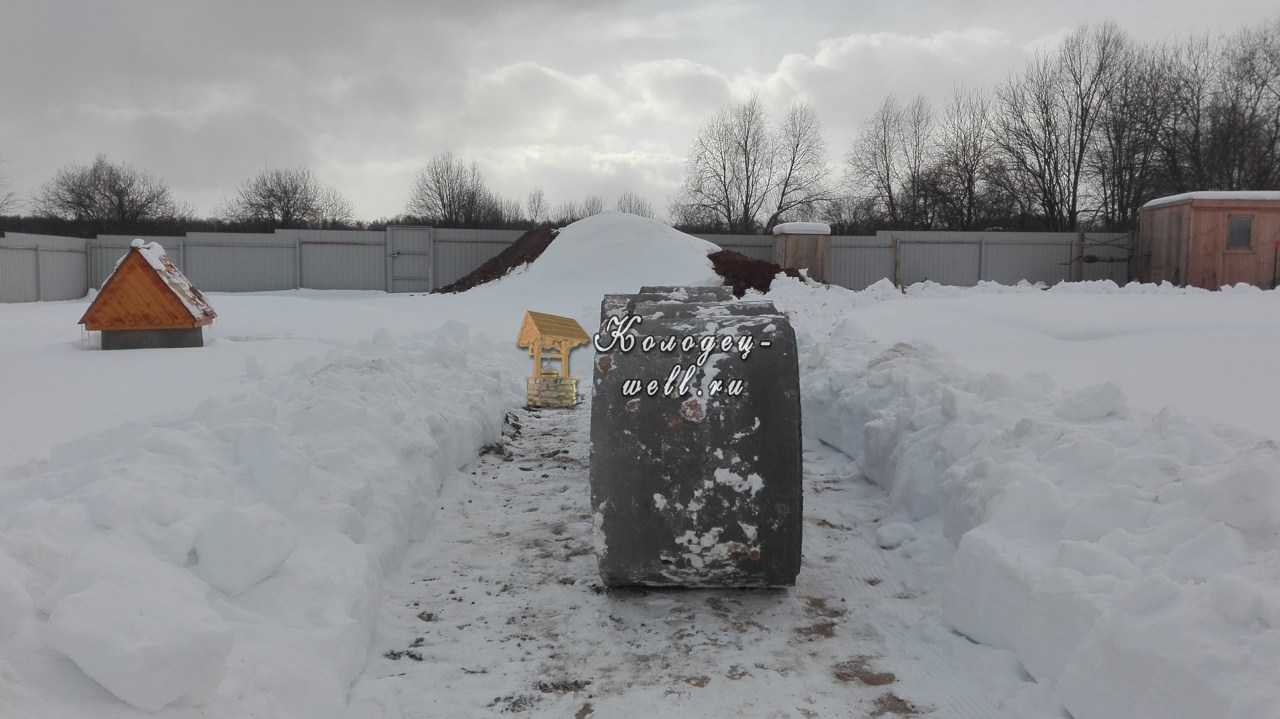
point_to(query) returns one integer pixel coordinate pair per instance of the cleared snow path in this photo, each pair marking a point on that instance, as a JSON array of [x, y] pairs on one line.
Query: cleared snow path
[[500, 611]]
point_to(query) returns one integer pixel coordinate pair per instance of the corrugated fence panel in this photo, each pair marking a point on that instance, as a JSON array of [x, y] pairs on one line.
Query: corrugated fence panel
[[1108, 246], [759, 247], [341, 260], [859, 262], [456, 259], [63, 274], [240, 261], [42, 267], [1009, 261], [243, 267], [459, 252], [935, 257], [416, 259], [18, 275]]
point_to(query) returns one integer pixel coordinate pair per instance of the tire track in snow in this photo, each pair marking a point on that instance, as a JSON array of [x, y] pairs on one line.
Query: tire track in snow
[[500, 611]]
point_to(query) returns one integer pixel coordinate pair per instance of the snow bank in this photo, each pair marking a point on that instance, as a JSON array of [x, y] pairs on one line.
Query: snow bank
[[1127, 558], [232, 556]]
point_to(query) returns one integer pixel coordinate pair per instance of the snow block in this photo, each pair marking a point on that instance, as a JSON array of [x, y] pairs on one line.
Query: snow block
[[695, 443], [239, 547], [148, 643], [140, 627]]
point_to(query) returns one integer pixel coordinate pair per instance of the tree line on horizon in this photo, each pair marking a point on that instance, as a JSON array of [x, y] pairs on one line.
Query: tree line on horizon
[[107, 197], [1079, 138]]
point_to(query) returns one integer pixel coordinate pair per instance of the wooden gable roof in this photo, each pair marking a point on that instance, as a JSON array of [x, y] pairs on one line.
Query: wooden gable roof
[[550, 331], [147, 292]]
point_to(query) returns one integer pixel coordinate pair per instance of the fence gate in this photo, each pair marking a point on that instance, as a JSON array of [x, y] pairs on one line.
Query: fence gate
[[409, 258]]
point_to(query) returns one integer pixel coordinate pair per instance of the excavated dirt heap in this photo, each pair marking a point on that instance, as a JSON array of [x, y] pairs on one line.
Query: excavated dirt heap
[[739, 271], [742, 273], [526, 249]]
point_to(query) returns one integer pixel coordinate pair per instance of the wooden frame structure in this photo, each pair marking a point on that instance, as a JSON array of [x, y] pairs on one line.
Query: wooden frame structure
[[1211, 239]]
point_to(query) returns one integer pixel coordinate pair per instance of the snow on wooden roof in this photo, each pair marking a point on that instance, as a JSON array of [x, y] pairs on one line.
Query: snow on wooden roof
[[146, 291], [549, 330], [1237, 195], [802, 228]]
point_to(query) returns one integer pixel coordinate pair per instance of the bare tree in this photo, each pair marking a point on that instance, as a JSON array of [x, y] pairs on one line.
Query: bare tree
[[850, 215], [566, 213], [1246, 110], [916, 149], [800, 185], [8, 199], [451, 193], [510, 212], [593, 205], [873, 166], [105, 195], [1048, 118], [1218, 105], [1123, 160], [634, 204], [537, 206], [692, 218], [965, 148], [1187, 72], [725, 171], [285, 198], [743, 176]]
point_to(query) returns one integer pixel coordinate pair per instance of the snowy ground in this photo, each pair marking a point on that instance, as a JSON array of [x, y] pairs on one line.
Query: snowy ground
[[500, 610], [1084, 480]]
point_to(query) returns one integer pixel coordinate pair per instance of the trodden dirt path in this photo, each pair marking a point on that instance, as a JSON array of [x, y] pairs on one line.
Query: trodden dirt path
[[500, 612]]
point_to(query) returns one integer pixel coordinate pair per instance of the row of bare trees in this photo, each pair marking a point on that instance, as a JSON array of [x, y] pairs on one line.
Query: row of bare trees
[[449, 192], [106, 196], [745, 174], [1082, 136]]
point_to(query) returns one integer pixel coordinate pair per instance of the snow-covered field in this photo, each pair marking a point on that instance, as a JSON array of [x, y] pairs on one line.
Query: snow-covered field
[[1085, 481]]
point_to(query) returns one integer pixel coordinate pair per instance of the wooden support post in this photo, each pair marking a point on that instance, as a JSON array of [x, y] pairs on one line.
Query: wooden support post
[[897, 262], [1077, 268]]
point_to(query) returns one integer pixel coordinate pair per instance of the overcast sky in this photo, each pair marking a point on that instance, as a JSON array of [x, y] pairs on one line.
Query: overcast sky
[[575, 96]]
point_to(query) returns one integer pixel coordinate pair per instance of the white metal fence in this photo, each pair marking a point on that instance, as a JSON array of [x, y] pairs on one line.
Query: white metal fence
[[418, 259], [42, 267], [961, 258]]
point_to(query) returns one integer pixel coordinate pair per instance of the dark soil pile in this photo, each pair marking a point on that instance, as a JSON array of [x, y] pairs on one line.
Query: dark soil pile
[[742, 273], [526, 249]]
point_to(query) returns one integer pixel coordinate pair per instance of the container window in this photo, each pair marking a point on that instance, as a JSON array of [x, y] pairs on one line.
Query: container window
[[1240, 232]]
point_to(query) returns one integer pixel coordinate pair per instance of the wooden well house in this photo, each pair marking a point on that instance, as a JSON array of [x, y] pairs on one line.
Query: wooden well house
[[147, 303], [549, 340], [1211, 239], [803, 246]]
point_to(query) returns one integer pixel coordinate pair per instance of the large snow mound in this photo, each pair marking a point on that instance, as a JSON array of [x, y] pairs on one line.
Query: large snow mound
[[1127, 557], [609, 253]]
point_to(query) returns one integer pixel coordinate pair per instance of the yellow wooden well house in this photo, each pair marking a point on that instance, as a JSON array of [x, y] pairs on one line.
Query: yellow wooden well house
[[549, 340]]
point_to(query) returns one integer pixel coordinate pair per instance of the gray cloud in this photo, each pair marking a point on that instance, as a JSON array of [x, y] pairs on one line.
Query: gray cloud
[[579, 97]]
